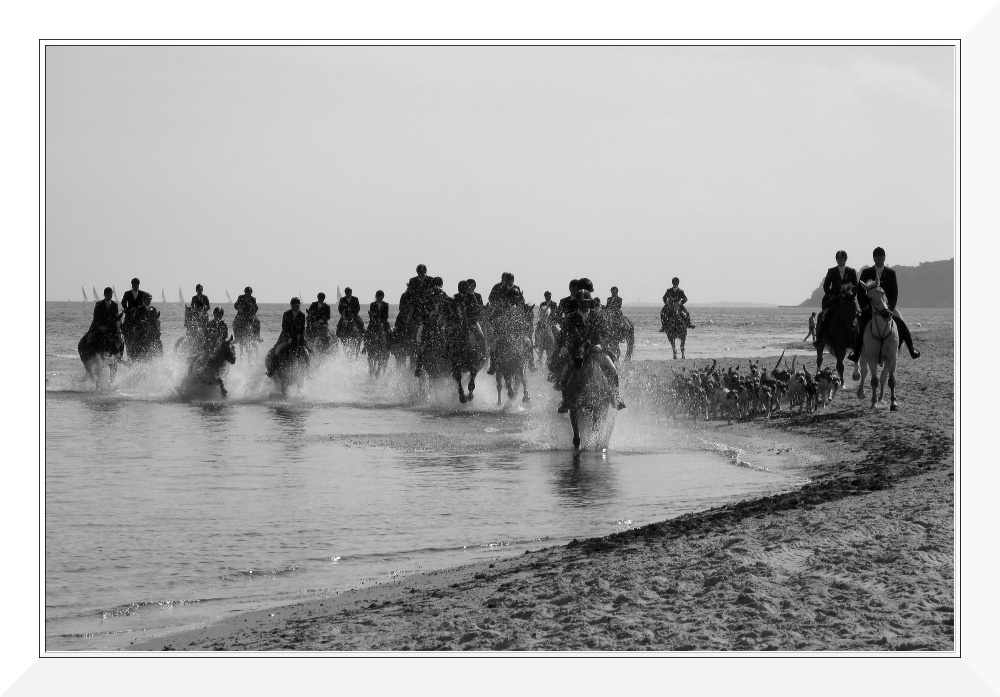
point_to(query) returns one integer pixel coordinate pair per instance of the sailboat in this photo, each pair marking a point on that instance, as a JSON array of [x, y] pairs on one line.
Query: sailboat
[[95, 293], [180, 295], [163, 295], [227, 296], [339, 296], [115, 291], [84, 294]]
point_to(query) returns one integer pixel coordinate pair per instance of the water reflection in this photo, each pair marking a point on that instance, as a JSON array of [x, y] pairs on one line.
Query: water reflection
[[585, 478], [291, 422], [214, 415]]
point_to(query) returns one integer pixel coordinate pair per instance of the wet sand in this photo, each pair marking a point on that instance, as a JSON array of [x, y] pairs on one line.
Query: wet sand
[[859, 559]]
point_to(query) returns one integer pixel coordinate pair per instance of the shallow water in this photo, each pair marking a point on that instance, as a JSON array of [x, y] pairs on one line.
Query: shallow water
[[164, 510]]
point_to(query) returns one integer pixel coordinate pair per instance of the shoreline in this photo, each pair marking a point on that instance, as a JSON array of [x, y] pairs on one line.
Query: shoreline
[[860, 558]]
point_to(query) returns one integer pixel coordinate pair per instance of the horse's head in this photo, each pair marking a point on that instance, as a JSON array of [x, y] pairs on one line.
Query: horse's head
[[847, 290], [876, 296], [228, 351]]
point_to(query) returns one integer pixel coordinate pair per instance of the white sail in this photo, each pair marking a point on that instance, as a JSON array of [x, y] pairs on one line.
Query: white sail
[[163, 296], [115, 291], [339, 296], [180, 295], [95, 293], [227, 295], [84, 293]]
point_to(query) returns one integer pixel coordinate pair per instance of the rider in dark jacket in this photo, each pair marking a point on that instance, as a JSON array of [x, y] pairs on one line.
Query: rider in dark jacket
[[378, 311], [105, 325], [349, 308], [216, 331]]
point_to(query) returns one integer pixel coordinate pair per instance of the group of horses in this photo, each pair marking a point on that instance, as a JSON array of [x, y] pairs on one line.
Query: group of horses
[[880, 346]]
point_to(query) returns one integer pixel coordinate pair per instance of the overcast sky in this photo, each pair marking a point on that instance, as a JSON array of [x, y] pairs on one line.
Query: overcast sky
[[297, 169]]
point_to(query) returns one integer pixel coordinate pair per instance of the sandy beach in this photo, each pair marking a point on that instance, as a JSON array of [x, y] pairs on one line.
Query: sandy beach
[[859, 559]]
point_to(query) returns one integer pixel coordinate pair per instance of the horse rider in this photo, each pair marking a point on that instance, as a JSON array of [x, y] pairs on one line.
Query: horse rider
[[547, 304], [886, 278], [293, 330], [216, 331], [472, 289], [614, 302], [318, 311], [675, 293], [378, 312], [836, 277], [106, 323], [246, 311], [504, 295], [350, 304], [132, 301], [147, 320], [565, 307], [199, 301], [469, 305], [582, 328]]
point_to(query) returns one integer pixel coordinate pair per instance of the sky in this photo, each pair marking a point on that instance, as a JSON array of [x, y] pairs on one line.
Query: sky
[[294, 170]]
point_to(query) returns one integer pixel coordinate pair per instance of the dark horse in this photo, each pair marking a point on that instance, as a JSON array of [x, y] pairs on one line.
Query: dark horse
[[246, 331], [207, 368], [842, 329], [619, 330], [511, 347], [97, 349], [142, 334], [319, 337], [377, 347], [194, 338], [290, 367], [591, 394], [349, 334], [450, 348], [673, 324]]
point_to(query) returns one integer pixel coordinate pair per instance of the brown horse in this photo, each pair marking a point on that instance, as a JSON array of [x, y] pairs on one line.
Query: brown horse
[[591, 395], [207, 369], [511, 349], [842, 329], [673, 324], [98, 351]]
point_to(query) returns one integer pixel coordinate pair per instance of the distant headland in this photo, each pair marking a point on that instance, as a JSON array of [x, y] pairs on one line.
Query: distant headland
[[929, 285]]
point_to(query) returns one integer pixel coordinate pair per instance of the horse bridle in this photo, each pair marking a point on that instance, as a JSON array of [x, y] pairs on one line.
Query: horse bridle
[[871, 324]]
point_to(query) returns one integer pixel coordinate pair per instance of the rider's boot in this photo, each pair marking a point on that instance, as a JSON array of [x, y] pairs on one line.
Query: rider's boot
[[906, 337], [859, 341]]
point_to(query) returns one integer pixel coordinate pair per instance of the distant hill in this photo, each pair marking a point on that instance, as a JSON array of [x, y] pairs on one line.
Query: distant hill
[[929, 285]]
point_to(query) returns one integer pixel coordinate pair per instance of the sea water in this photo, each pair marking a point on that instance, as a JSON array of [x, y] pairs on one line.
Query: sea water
[[166, 509]]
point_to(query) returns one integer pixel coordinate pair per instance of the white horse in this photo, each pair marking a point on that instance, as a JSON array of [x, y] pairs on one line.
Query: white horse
[[881, 347]]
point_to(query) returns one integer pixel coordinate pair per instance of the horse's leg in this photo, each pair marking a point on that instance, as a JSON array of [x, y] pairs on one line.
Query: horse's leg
[[862, 364], [874, 384], [673, 346], [893, 405], [222, 386], [472, 382], [499, 377], [683, 340], [457, 374], [574, 419], [524, 388]]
